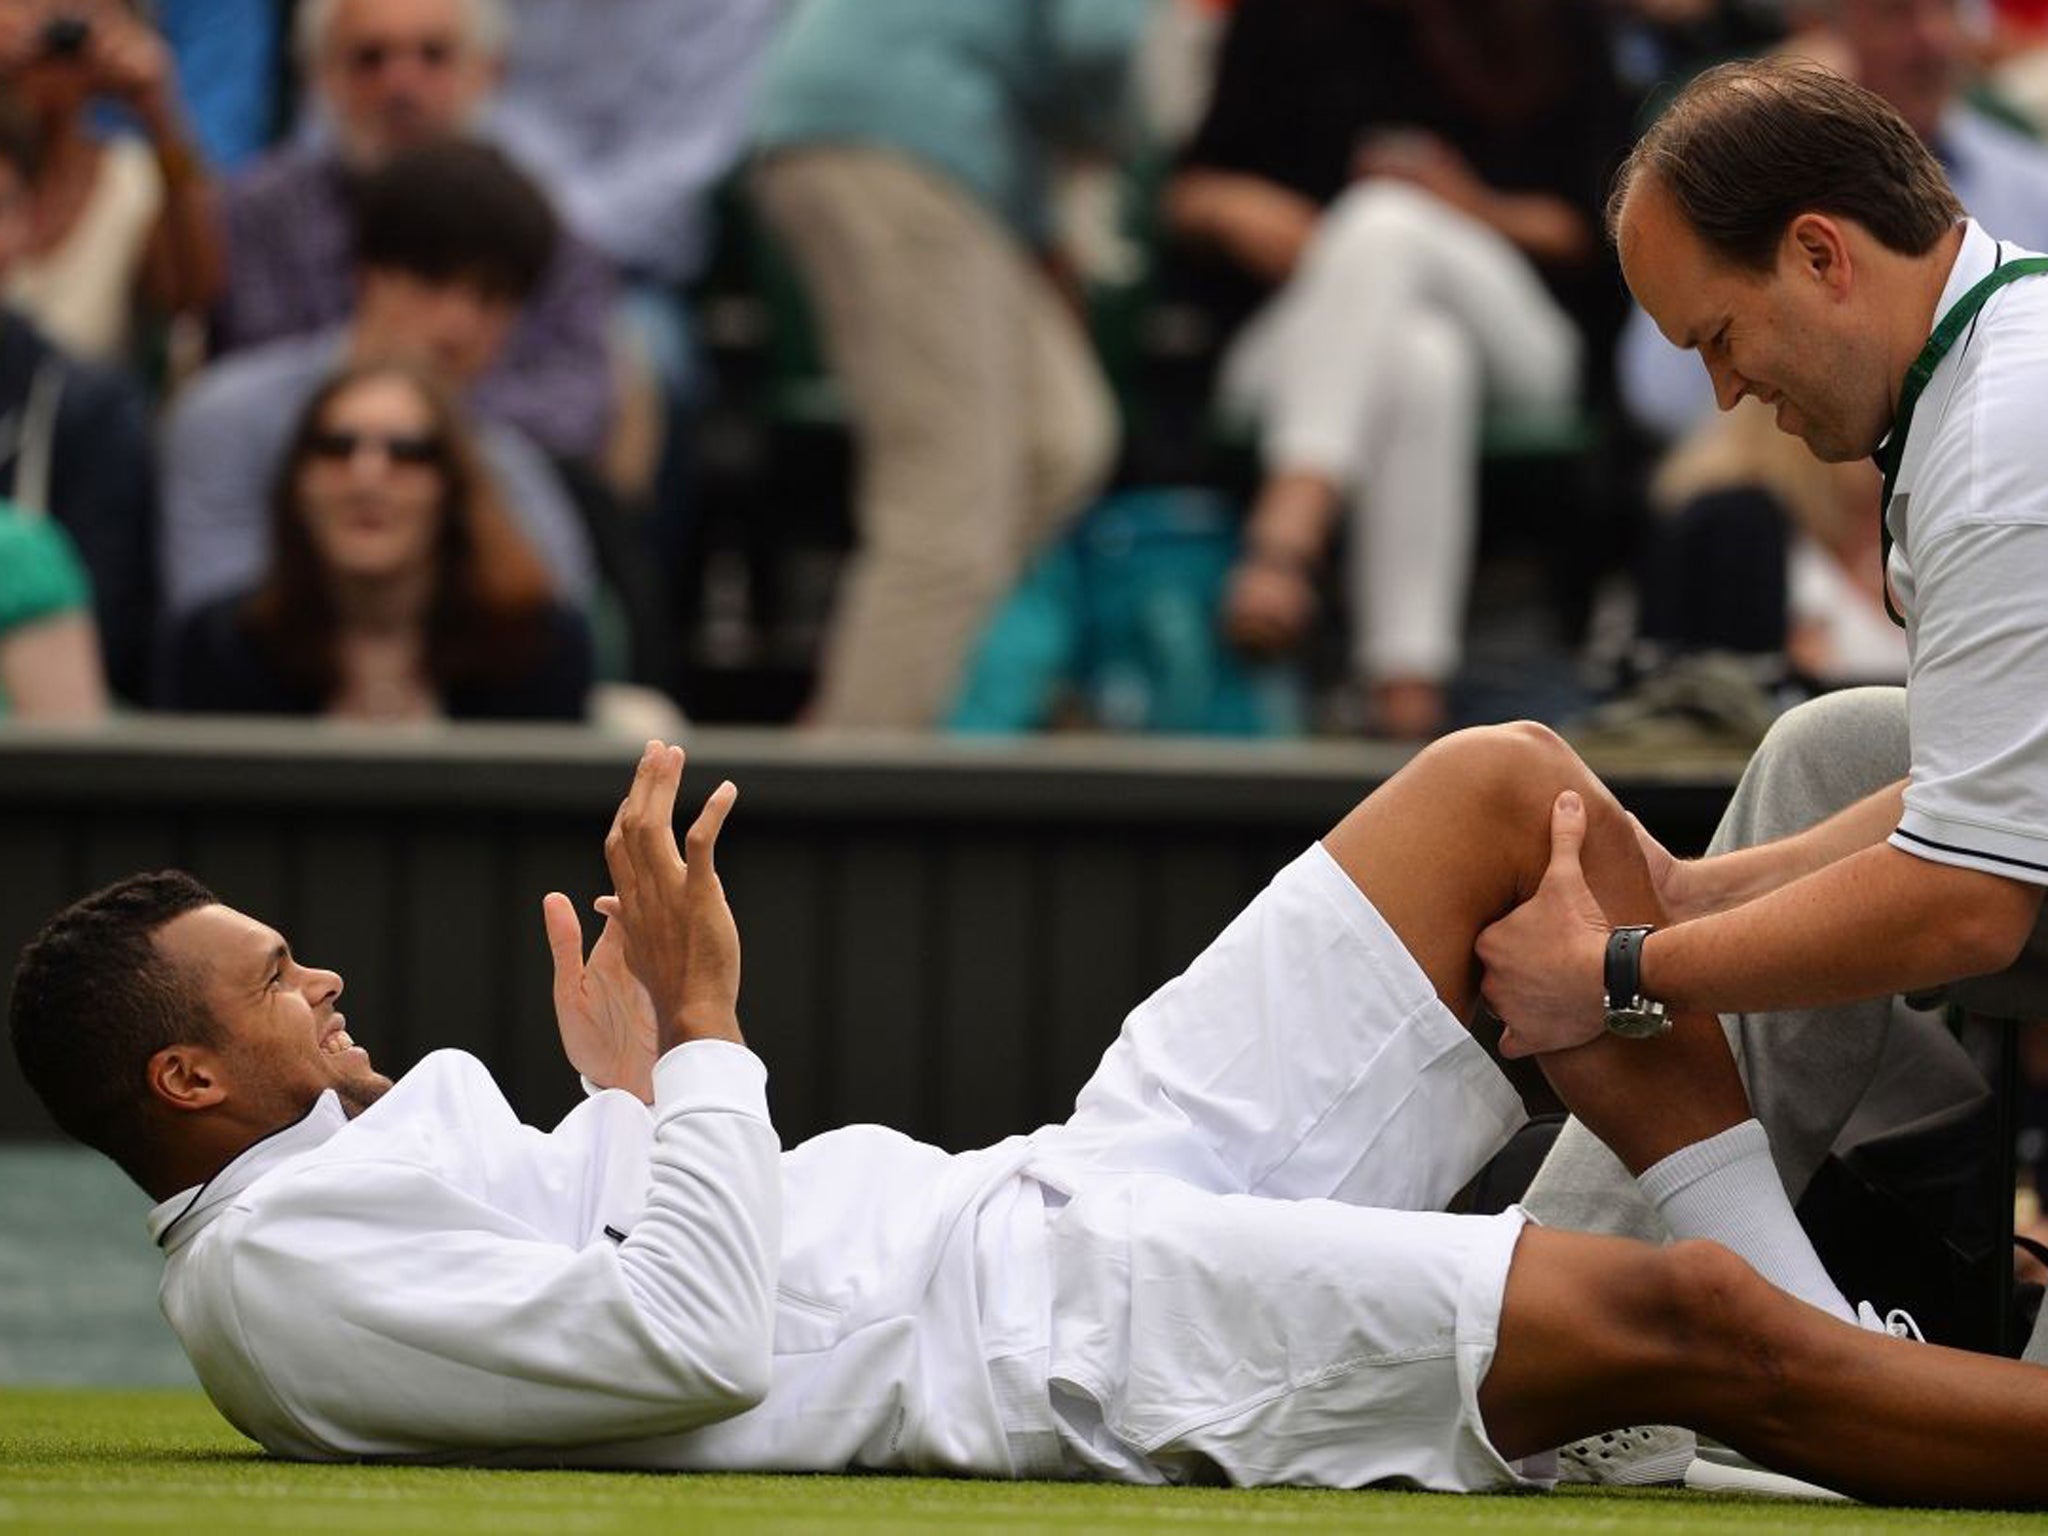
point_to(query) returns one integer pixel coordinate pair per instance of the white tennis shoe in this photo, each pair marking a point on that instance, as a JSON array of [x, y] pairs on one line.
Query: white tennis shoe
[[1642, 1456]]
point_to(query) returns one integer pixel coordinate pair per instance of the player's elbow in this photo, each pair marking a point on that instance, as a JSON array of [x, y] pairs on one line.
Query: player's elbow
[[745, 1374], [734, 1372], [710, 1349]]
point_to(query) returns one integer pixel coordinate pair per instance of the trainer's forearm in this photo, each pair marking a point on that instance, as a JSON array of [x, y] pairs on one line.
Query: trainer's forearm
[[1875, 922], [1735, 879]]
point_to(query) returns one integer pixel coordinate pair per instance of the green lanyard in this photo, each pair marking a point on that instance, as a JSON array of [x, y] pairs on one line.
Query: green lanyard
[[1952, 326]]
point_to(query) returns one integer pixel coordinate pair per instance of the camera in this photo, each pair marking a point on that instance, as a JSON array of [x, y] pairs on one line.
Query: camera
[[64, 36]]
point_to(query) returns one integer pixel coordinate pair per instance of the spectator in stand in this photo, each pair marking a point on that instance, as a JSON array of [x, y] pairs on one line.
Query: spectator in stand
[[74, 443], [49, 653], [1661, 40], [632, 111], [905, 151], [1394, 209], [122, 222], [1910, 52], [451, 242], [397, 589], [1761, 581], [386, 76]]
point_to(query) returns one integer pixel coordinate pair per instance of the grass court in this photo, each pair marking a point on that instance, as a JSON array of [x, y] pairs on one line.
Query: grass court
[[74, 1461]]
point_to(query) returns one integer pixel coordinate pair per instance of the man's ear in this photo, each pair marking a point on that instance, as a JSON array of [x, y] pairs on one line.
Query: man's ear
[[186, 1077], [1817, 250]]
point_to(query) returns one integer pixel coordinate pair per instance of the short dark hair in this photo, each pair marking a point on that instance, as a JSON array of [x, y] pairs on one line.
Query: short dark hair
[[1747, 147], [94, 1000], [456, 210]]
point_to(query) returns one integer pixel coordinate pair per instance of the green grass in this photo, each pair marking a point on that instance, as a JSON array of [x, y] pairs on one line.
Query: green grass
[[75, 1461]]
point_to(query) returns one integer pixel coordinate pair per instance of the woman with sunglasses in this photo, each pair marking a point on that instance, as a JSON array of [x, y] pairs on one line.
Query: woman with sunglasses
[[397, 589]]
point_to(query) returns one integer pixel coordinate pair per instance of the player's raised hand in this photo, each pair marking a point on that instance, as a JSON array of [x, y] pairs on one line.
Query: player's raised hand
[[605, 1015], [680, 937]]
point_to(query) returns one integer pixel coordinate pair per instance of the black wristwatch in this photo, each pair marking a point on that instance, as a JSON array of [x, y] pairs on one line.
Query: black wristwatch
[[1629, 1013]]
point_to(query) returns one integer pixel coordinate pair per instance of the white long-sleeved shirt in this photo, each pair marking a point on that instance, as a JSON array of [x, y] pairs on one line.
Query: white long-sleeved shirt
[[655, 1288]]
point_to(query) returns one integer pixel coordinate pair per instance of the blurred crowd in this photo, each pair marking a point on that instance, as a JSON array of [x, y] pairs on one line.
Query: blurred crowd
[[909, 364]]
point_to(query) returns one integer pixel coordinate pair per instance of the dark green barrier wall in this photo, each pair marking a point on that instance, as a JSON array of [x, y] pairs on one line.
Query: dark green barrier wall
[[942, 936]]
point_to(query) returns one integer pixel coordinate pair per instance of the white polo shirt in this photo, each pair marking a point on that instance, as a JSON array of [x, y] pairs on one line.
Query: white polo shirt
[[1969, 569]]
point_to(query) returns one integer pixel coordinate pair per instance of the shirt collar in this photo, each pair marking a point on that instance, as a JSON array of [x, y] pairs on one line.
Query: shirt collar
[[176, 1220], [1975, 258]]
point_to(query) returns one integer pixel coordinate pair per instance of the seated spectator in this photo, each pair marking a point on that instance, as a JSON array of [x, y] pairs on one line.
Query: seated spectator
[[397, 589], [1763, 552], [451, 241], [631, 125], [121, 222], [1761, 583], [1658, 41], [1912, 53], [74, 444], [1830, 625], [905, 147], [49, 654], [386, 76], [1395, 209]]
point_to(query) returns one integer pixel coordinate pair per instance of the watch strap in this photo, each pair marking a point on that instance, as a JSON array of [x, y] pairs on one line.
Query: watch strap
[[1624, 968]]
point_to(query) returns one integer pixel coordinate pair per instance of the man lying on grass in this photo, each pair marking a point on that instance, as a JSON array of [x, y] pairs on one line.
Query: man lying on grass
[[1227, 1264]]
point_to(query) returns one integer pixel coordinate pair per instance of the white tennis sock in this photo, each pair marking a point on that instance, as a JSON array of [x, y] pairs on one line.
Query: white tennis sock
[[1726, 1188]]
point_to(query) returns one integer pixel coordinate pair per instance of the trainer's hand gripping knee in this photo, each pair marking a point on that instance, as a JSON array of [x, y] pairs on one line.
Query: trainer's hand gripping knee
[[1542, 976]]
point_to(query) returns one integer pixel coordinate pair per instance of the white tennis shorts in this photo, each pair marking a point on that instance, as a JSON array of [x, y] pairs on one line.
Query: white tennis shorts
[[1252, 1278]]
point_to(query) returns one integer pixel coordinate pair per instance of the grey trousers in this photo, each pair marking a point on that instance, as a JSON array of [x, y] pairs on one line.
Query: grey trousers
[[1807, 1070]]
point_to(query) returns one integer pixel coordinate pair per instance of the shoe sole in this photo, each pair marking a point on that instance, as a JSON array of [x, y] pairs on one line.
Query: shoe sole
[[1718, 1477]]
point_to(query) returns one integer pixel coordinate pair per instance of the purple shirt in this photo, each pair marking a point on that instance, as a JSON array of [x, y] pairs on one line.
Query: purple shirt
[[291, 271]]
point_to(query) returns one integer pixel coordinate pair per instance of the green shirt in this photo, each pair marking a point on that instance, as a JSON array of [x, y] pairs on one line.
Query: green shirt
[[40, 575]]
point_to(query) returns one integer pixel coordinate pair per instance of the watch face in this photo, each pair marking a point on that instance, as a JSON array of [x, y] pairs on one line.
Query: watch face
[[1640, 1022]]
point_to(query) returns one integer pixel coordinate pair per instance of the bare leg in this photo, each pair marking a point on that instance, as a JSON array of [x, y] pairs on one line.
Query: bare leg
[[1598, 1332], [1460, 836]]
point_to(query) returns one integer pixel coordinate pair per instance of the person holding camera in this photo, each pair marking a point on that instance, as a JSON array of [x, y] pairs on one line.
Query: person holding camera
[[121, 223]]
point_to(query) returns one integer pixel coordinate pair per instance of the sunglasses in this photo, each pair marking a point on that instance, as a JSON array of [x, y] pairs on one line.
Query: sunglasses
[[400, 448], [371, 58]]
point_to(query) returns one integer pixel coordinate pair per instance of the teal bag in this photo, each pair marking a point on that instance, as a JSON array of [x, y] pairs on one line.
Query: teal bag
[[1121, 617]]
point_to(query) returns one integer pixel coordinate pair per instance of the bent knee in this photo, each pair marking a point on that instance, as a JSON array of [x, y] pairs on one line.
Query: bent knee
[[1520, 760], [1379, 212]]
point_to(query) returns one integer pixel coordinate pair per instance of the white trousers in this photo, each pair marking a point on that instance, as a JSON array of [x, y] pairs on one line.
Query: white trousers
[[1371, 367]]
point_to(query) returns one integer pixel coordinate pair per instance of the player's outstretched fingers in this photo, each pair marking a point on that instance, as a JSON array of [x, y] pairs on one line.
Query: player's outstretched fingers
[[651, 832], [565, 944], [617, 855], [701, 842]]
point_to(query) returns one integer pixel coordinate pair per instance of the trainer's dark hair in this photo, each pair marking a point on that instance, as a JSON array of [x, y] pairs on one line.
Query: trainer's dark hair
[[94, 1000], [1748, 147], [454, 210]]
